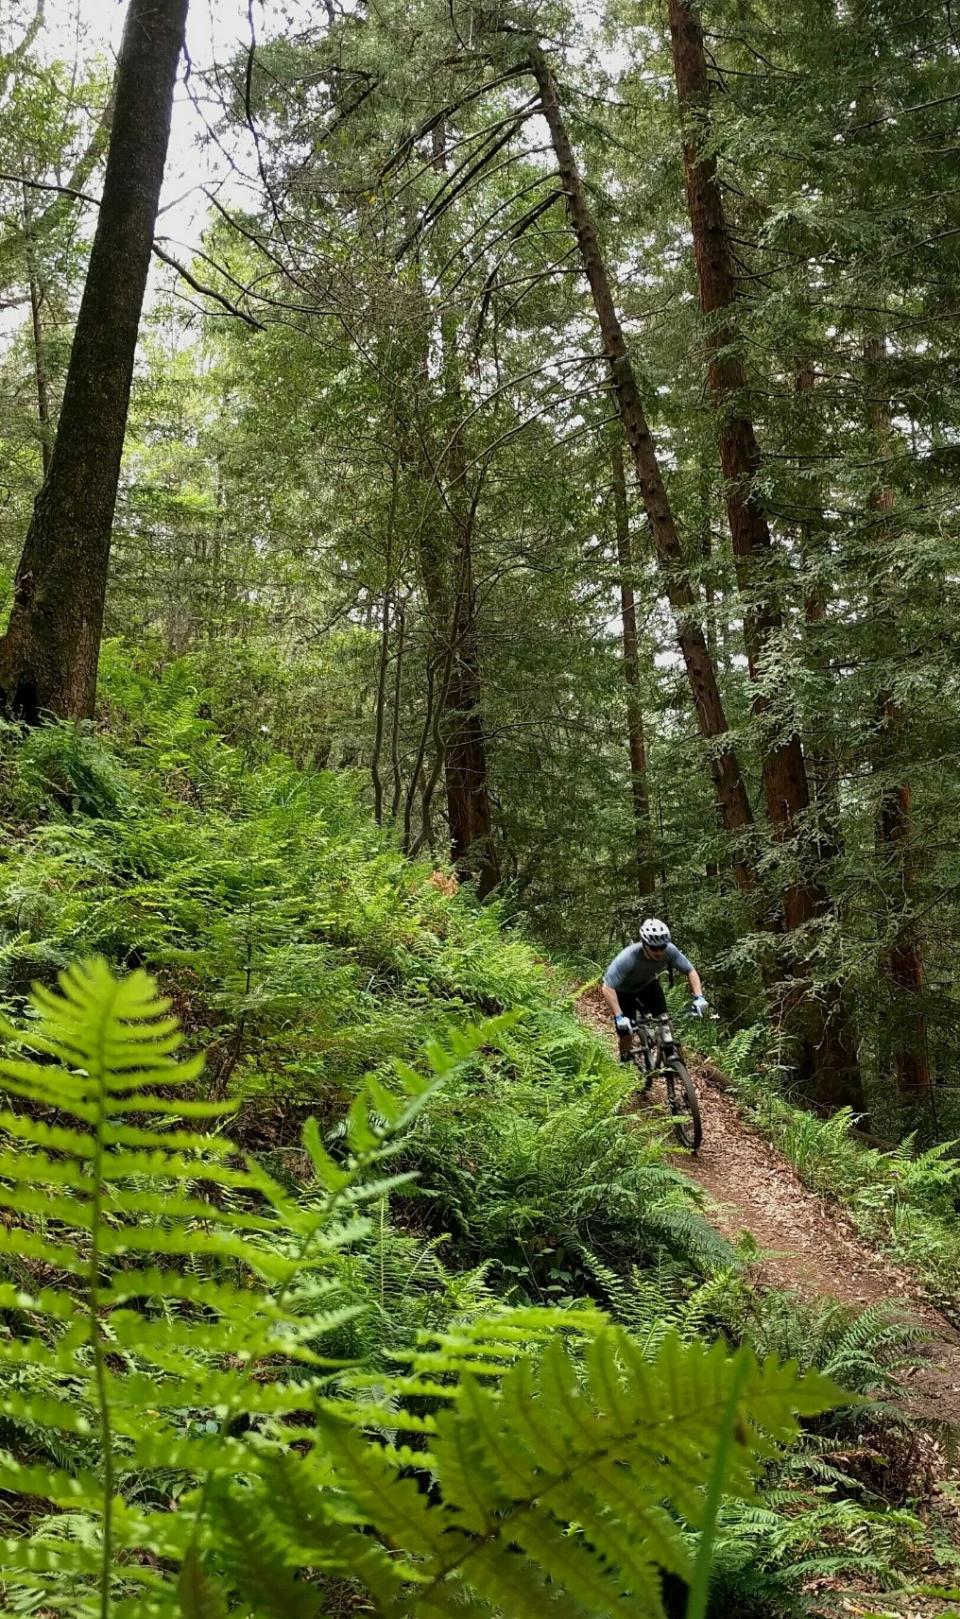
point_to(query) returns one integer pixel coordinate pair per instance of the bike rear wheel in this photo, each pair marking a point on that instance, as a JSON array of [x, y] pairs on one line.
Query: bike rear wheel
[[684, 1104]]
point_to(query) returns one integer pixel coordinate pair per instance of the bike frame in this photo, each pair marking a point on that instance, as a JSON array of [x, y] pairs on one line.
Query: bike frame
[[656, 1041], [656, 1053]]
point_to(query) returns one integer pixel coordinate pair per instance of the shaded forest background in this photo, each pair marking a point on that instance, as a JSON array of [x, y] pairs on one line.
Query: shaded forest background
[[558, 430]]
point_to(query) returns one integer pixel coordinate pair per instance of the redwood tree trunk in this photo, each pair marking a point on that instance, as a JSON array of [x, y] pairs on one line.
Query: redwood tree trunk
[[446, 560], [643, 838], [784, 771], [468, 798], [895, 836], [455, 687], [827, 1032], [48, 657], [472, 843], [383, 662], [824, 764], [731, 794]]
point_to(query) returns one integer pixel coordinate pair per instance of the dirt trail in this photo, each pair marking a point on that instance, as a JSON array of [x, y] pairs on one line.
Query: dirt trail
[[807, 1245]]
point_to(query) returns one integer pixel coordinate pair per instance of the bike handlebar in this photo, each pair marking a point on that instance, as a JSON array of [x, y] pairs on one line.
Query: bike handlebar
[[664, 1017]]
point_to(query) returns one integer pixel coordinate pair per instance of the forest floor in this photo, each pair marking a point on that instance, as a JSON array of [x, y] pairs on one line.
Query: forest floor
[[807, 1246]]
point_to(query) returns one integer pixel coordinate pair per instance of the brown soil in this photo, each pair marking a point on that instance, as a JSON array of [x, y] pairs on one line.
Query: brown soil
[[807, 1246]]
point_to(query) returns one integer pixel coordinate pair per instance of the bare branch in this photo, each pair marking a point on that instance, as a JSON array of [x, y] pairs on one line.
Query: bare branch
[[903, 112], [436, 118], [48, 185], [452, 186], [207, 292]]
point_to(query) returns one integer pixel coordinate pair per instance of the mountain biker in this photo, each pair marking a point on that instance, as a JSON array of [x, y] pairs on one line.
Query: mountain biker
[[631, 985]]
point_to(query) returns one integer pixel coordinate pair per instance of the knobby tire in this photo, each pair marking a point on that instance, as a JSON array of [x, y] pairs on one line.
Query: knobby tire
[[684, 1104]]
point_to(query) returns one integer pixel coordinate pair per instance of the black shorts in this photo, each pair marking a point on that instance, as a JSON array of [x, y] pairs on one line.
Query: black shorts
[[647, 1002]]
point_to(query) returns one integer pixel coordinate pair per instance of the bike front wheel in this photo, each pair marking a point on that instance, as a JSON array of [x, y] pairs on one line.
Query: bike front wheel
[[684, 1104]]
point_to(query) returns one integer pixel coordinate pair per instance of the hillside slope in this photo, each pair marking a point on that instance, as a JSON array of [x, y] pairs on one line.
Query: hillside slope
[[305, 953]]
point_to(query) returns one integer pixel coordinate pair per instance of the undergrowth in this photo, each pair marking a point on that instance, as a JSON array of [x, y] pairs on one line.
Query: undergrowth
[[315, 965], [176, 1336]]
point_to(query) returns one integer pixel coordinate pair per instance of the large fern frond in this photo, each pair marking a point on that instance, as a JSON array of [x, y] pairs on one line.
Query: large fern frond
[[167, 1293], [530, 1477], [173, 1339]]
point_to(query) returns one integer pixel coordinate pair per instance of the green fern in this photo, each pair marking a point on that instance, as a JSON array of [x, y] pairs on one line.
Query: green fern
[[176, 1334], [172, 1289], [765, 1554], [65, 767], [530, 1482]]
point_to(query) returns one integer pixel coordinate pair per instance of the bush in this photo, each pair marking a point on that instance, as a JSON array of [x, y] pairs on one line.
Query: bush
[[182, 1358], [315, 964]]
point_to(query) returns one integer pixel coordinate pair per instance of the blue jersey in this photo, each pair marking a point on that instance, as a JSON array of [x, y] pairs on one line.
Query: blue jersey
[[633, 970]]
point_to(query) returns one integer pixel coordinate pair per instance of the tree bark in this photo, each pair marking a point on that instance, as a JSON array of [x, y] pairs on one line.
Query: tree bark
[[825, 1026], [824, 765], [729, 787], [894, 833], [383, 662], [446, 565], [643, 829], [472, 843], [445, 555], [395, 763], [786, 788], [41, 374], [48, 657]]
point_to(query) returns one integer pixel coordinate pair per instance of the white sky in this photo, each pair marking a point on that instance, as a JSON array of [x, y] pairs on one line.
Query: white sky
[[216, 29]]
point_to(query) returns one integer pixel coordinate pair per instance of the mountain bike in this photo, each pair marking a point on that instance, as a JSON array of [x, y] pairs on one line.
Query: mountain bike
[[656, 1052]]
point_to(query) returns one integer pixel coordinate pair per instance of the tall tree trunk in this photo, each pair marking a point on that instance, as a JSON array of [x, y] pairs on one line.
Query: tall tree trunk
[[445, 555], [729, 787], [642, 826], [824, 763], [39, 344], [383, 662], [446, 566], [48, 657], [398, 659], [895, 835], [467, 779], [825, 1025]]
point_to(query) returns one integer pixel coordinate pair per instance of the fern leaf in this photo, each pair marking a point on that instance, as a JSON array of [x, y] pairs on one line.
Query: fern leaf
[[579, 1573], [397, 1508], [198, 1595], [299, 1491], [69, 1490], [511, 1583], [256, 1562]]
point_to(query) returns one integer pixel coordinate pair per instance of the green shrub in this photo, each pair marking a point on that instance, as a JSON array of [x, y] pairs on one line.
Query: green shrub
[[311, 958], [66, 769], [541, 1185], [174, 1341]]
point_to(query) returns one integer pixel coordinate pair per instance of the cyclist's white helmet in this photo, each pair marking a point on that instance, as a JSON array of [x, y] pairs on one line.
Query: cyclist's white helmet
[[654, 933]]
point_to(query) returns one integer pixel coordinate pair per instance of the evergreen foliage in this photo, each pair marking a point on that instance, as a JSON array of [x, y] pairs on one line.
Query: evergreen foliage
[[520, 1187], [299, 1329], [177, 1348]]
